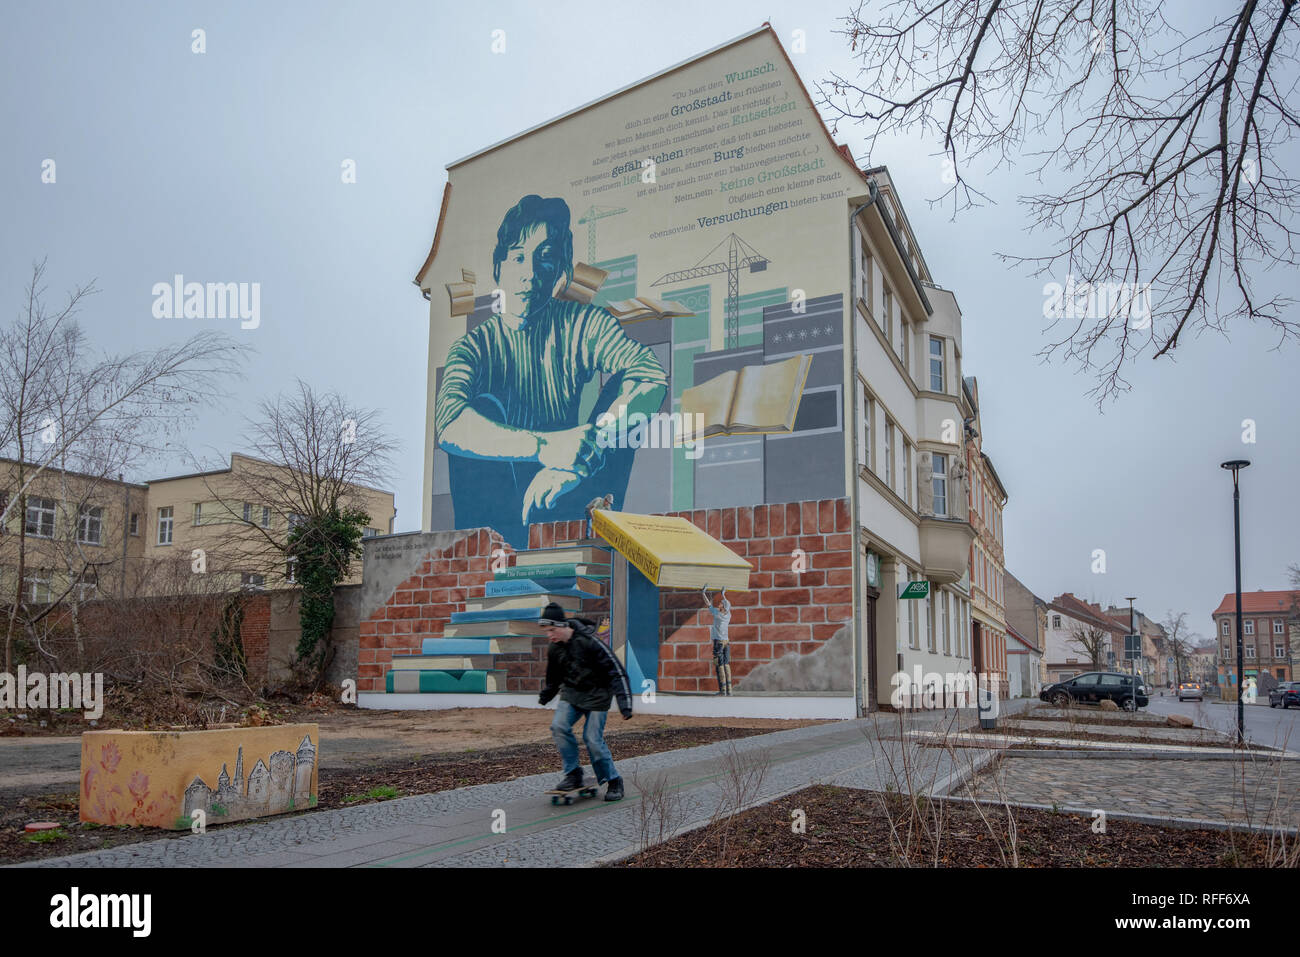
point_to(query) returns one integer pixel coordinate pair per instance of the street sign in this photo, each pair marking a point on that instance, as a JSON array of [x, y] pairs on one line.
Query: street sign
[[1132, 643], [914, 590]]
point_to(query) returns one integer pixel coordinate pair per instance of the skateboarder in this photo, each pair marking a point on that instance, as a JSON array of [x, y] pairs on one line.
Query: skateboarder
[[586, 675], [721, 645]]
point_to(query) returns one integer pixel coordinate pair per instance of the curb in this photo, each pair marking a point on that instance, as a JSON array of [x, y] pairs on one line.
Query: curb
[[1143, 754]]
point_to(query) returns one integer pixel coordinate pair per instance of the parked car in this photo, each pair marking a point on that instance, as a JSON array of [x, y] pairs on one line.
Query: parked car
[[1285, 694], [1190, 689], [1092, 687]]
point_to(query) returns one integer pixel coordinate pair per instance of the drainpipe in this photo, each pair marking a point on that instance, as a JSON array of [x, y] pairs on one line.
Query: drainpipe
[[860, 707]]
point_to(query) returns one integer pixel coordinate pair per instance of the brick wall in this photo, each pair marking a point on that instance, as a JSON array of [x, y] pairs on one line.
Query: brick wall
[[254, 633], [784, 612]]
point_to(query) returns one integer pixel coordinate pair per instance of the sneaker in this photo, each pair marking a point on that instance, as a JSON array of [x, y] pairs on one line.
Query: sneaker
[[571, 781], [615, 790]]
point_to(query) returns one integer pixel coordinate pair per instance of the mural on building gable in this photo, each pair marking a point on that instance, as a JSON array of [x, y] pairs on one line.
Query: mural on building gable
[[716, 191]]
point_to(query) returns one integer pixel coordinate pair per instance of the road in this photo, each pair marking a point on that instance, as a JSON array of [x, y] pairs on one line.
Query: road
[[1271, 727]]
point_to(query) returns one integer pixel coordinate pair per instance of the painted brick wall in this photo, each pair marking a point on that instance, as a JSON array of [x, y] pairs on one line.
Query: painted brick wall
[[423, 604], [785, 612]]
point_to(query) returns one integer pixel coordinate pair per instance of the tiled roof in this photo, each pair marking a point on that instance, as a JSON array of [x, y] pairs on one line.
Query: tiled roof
[[1257, 602]]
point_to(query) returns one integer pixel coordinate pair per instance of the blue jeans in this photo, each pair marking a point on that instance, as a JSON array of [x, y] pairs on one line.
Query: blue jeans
[[593, 736]]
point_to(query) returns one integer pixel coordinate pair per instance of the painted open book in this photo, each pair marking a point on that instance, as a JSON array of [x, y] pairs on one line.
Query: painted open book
[[672, 552], [754, 399]]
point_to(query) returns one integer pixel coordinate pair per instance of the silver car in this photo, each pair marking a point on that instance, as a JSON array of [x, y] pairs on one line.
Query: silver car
[[1190, 689]]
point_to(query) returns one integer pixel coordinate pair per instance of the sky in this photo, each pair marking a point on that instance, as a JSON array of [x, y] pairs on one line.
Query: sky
[[225, 166]]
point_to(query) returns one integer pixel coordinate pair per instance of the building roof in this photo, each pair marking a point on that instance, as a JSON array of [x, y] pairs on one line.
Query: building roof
[[841, 149], [1259, 602], [1085, 612], [1023, 640]]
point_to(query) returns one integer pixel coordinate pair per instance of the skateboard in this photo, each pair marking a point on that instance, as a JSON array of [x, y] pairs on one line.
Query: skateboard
[[568, 797]]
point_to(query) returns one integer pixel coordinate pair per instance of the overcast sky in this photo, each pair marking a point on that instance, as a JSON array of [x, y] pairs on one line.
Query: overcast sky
[[225, 167]]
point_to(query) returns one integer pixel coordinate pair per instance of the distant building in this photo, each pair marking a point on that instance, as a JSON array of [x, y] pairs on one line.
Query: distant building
[[1069, 621], [1270, 631], [112, 535]]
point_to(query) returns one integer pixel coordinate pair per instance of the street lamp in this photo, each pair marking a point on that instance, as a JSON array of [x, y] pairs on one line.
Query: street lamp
[[1132, 630], [1235, 466]]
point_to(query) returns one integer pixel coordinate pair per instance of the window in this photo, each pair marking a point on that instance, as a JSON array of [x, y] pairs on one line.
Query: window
[[864, 274], [291, 570], [1224, 626], [1056, 621], [37, 585], [863, 429], [889, 453], [936, 364], [900, 344], [907, 472], [198, 513], [369, 532], [929, 621], [252, 581], [266, 516], [1250, 649], [135, 524], [887, 315], [295, 520], [248, 512], [4, 503], [868, 421], [940, 484], [1277, 626], [165, 525], [943, 622], [90, 525], [911, 615], [87, 585], [1279, 651], [1250, 626], [40, 518]]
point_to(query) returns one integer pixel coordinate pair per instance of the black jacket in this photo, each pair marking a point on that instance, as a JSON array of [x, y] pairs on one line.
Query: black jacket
[[585, 673]]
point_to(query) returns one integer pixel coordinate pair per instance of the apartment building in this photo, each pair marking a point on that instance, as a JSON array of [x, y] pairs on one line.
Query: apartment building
[[1027, 616], [987, 558], [1157, 665], [1074, 624], [709, 231], [1270, 626], [104, 537]]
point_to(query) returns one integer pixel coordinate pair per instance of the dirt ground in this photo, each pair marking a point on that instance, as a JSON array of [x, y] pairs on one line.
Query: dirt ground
[[354, 737], [848, 828], [403, 752]]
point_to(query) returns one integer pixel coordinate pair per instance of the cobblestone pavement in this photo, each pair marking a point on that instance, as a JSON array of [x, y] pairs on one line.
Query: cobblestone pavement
[[455, 828], [1259, 791]]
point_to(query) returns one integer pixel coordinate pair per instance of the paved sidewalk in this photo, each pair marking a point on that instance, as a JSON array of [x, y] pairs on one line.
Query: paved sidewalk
[[455, 828], [1254, 791]]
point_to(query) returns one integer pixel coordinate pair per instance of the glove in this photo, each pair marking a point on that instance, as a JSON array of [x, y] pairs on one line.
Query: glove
[[545, 697]]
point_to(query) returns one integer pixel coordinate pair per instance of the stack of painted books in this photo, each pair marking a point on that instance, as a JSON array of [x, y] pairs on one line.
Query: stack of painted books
[[503, 622]]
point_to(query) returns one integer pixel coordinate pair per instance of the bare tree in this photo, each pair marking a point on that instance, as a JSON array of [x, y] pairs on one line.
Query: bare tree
[[64, 406], [313, 458], [1092, 641], [1167, 148], [1181, 642]]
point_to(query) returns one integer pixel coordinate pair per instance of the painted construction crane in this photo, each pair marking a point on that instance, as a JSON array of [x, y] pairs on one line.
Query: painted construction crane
[[739, 254], [592, 214]]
